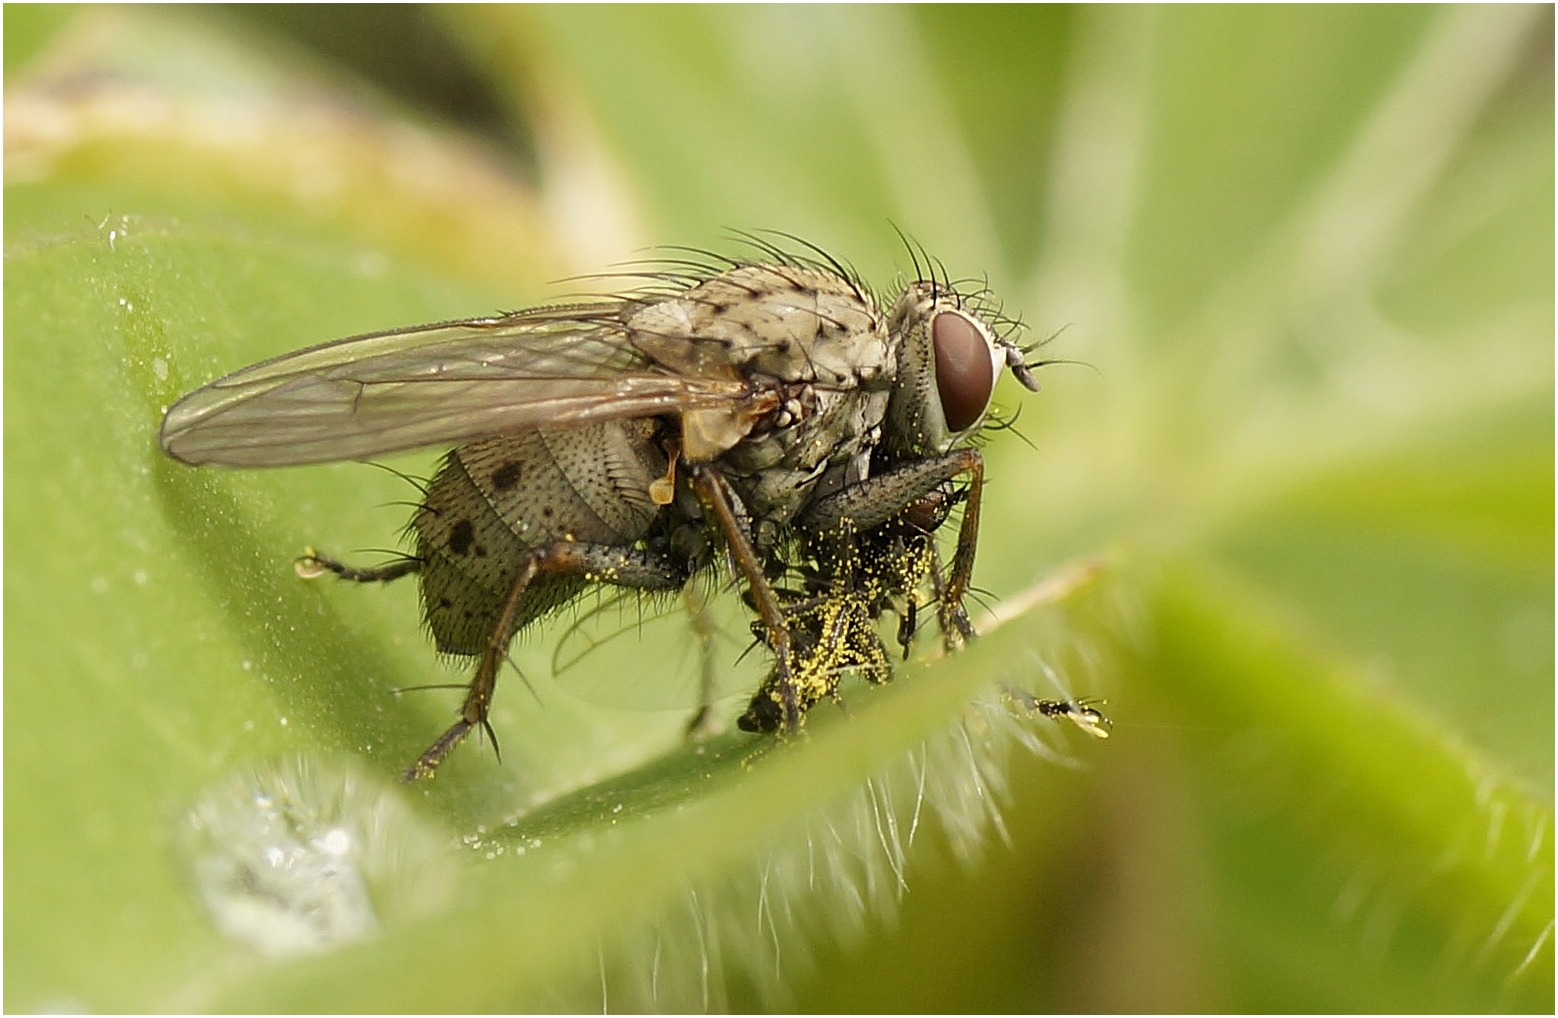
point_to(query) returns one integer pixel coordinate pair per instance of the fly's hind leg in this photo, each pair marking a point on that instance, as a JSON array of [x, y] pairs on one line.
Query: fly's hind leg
[[704, 723], [788, 704], [312, 564], [627, 567]]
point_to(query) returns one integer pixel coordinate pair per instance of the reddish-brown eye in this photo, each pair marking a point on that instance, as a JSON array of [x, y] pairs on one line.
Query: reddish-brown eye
[[965, 376]]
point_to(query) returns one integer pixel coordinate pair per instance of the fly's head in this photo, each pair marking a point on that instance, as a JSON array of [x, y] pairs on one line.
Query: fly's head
[[949, 360]]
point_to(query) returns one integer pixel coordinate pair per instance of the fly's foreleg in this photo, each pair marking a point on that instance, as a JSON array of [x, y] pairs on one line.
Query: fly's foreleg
[[950, 604], [876, 500], [627, 567]]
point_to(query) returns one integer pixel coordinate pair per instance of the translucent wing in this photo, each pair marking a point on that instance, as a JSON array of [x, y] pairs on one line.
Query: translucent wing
[[446, 383]]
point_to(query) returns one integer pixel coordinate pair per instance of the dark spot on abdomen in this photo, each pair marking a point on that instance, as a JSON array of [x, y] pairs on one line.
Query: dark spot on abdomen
[[506, 476], [461, 536]]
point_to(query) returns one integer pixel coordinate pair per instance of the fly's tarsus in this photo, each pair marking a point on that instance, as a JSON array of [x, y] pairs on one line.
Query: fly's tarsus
[[313, 564], [428, 762]]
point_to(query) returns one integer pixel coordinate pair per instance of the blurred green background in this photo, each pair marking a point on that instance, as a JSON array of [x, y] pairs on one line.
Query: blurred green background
[[1308, 254]]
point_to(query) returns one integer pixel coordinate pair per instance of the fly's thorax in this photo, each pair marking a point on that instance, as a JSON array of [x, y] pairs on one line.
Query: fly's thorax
[[949, 360], [817, 434], [788, 323], [773, 327], [494, 501]]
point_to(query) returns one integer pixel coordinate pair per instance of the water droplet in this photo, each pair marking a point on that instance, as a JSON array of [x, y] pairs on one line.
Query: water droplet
[[336, 842], [298, 858], [159, 367]]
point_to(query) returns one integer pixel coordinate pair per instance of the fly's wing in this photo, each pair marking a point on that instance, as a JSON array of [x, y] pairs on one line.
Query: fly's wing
[[436, 384]]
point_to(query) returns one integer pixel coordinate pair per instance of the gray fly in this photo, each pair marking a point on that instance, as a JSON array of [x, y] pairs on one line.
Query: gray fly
[[744, 409]]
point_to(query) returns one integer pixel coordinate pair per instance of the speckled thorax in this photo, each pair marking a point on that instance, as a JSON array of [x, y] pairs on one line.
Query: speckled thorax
[[815, 344]]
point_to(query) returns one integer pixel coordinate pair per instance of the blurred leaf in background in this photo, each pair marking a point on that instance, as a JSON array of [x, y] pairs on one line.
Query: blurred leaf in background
[[1308, 254]]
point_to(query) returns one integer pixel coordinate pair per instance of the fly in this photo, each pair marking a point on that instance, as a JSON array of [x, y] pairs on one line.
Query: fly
[[744, 409]]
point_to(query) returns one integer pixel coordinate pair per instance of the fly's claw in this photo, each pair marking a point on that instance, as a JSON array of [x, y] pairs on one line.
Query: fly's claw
[[308, 565]]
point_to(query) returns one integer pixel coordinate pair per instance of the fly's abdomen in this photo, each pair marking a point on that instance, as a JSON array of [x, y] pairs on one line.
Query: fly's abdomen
[[494, 501]]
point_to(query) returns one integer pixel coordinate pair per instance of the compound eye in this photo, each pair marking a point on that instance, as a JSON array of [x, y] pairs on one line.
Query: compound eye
[[965, 374]]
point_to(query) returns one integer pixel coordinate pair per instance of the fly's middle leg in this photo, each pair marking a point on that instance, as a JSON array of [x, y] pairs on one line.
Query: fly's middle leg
[[703, 722], [711, 489], [627, 567]]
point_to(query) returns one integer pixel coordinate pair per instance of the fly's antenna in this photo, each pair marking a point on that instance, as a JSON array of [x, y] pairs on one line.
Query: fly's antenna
[[1019, 367], [1017, 358]]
